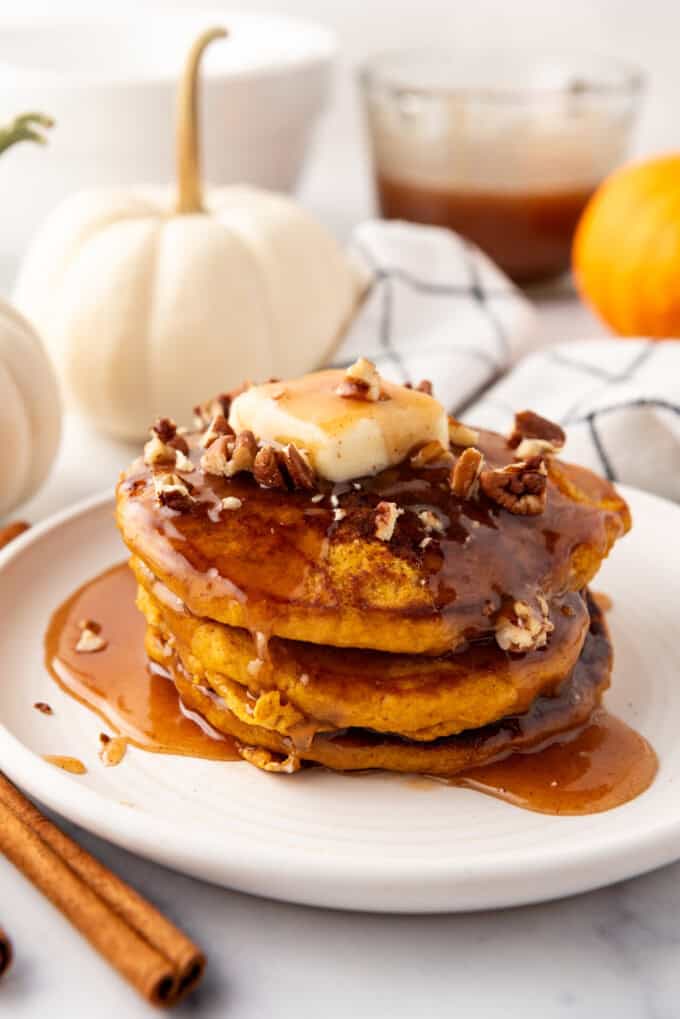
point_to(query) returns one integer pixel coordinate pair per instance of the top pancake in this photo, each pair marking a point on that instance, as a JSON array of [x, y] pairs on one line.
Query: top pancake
[[283, 564]]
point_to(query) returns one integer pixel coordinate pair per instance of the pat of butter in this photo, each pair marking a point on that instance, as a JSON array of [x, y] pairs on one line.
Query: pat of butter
[[344, 438]]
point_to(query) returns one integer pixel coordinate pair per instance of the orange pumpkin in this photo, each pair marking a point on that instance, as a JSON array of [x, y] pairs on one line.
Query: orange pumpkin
[[626, 254]]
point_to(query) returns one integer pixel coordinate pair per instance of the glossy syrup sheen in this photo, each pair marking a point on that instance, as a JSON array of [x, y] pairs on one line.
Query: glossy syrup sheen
[[600, 766], [282, 553], [138, 702]]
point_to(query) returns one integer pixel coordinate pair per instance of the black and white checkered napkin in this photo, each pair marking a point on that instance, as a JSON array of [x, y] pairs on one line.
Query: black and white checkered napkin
[[618, 401], [437, 309], [440, 309]]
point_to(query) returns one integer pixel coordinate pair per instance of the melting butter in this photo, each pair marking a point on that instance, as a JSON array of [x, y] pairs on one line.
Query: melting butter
[[344, 438]]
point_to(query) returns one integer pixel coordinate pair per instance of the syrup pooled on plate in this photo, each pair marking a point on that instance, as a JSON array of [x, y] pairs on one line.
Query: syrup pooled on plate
[[134, 699], [602, 765]]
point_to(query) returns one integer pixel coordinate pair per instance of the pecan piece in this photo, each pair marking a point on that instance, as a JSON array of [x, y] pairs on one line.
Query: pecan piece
[[386, 516], [267, 470], [164, 428], [179, 443], [158, 452], [430, 521], [424, 386], [520, 487], [173, 492], [216, 458], [243, 454], [534, 435], [361, 382], [521, 628], [90, 640], [220, 404], [464, 480], [431, 453], [218, 426], [297, 467]]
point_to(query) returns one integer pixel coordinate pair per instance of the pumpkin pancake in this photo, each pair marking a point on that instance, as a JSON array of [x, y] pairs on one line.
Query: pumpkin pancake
[[288, 683], [363, 748], [310, 567]]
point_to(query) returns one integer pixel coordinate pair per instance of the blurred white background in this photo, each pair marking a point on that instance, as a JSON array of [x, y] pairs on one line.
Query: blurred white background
[[336, 182]]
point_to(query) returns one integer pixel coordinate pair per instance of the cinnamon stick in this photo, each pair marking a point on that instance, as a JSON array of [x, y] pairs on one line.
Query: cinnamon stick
[[5, 952], [12, 531], [153, 954]]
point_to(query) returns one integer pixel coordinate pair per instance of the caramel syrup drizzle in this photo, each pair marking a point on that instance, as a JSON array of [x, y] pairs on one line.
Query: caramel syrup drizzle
[[595, 768]]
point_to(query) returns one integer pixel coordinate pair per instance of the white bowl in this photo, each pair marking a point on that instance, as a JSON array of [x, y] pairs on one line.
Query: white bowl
[[110, 84]]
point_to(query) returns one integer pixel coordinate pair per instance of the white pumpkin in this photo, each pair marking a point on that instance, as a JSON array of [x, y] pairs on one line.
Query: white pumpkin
[[30, 415], [147, 307]]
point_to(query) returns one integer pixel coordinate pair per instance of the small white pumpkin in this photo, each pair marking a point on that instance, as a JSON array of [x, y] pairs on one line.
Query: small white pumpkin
[[30, 415], [147, 306]]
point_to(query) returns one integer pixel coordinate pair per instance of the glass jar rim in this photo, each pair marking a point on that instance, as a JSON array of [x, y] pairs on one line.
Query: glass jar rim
[[385, 71]]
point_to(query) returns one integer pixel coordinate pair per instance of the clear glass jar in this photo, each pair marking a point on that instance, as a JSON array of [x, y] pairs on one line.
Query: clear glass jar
[[505, 148]]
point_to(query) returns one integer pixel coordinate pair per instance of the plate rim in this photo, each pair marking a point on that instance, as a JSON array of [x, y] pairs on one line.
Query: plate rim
[[141, 831]]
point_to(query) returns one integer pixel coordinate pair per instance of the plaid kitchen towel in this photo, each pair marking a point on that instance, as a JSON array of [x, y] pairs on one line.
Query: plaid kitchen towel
[[437, 308], [618, 401]]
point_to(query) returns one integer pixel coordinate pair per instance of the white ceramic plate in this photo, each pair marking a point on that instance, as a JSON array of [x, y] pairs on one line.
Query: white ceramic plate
[[371, 842]]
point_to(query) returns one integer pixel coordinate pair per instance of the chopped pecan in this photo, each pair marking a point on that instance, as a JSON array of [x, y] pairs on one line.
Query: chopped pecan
[[43, 707], [182, 462], [464, 480], [424, 386], [220, 404], [217, 456], [179, 443], [430, 521], [244, 453], [158, 452], [431, 453], [361, 382], [165, 429], [267, 469], [386, 516], [90, 639], [173, 492], [461, 435], [218, 426], [520, 487], [297, 467], [228, 455], [166, 445], [520, 627], [534, 435]]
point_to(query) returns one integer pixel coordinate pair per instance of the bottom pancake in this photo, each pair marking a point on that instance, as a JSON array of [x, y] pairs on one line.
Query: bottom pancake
[[361, 749]]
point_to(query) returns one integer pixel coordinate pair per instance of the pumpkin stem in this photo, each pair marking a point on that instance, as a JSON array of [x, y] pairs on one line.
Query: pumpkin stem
[[189, 190], [23, 129]]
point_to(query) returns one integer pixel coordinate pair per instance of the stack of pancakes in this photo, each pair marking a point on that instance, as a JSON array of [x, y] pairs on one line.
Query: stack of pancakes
[[290, 621]]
